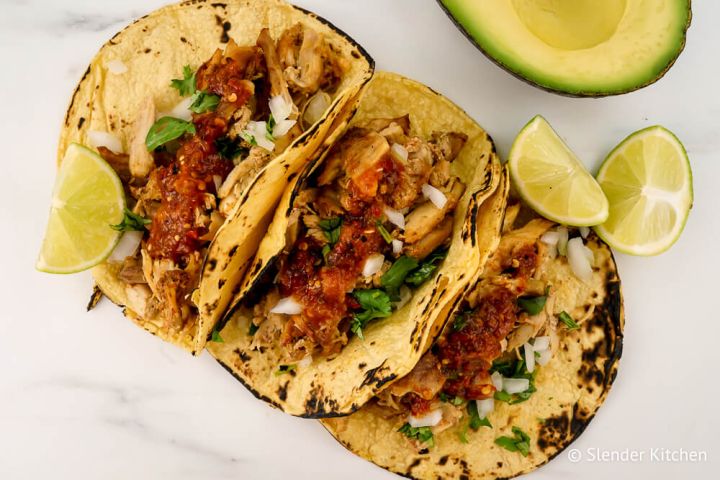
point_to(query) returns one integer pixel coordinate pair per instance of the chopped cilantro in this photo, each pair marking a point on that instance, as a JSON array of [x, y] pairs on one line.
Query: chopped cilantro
[[532, 305], [460, 321], [186, 86], [395, 276], [422, 434], [216, 337], [131, 221], [475, 421], [514, 369], [374, 303], [519, 442], [229, 148], [568, 320], [331, 227], [383, 231], [204, 102], [165, 130], [418, 276]]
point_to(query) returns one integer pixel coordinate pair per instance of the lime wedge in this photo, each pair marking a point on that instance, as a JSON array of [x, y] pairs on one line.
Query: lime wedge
[[88, 197], [648, 181], [551, 179]]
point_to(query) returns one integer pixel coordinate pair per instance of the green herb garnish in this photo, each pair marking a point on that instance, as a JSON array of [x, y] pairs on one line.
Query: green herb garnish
[[203, 102], [422, 434], [375, 304], [131, 222], [383, 231], [475, 421], [395, 276], [514, 369], [248, 138], [216, 337], [283, 369], [460, 321], [165, 130], [520, 442], [252, 329], [229, 148], [186, 86], [532, 305], [568, 320], [426, 268], [331, 227]]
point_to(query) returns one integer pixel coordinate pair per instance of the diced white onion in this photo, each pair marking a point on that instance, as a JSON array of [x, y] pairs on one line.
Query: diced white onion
[[116, 67], [584, 232], [529, 357], [399, 151], [305, 362], [397, 246], [182, 110], [405, 296], [282, 127], [578, 260], [563, 241], [437, 197], [395, 217], [544, 357], [288, 306], [497, 380], [485, 406], [280, 108], [373, 264], [258, 130], [127, 246], [103, 139], [429, 420], [515, 385], [541, 343], [315, 108], [550, 237]]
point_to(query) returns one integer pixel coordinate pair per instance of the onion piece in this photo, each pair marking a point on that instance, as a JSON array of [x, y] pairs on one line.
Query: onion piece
[[515, 385], [429, 420], [116, 67], [397, 246], [181, 110], [127, 246], [282, 127], [258, 132], [584, 231], [497, 380], [288, 306], [373, 264], [405, 296], [485, 406], [305, 362], [529, 357], [578, 260], [98, 139], [563, 241], [315, 108], [541, 343], [395, 217], [399, 152], [280, 108], [437, 197], [544, 357], [550, 237]]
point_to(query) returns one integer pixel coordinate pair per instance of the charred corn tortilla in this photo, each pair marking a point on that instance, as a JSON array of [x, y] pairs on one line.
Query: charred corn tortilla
[[569, 390], [339, 384], [153, 50]]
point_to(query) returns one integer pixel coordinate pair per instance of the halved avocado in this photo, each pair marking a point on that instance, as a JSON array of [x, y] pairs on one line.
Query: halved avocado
[[577, 47]]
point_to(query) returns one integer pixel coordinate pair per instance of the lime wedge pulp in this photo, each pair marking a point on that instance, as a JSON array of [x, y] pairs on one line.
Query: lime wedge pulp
[[87, 198], [551, 179], [648, 181]]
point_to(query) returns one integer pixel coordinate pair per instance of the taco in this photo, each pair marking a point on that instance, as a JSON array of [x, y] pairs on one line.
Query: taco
[[525, 359], [189, 105], [367, 247]]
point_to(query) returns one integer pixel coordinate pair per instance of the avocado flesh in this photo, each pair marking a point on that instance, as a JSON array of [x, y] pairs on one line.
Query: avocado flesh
[[578, 47]]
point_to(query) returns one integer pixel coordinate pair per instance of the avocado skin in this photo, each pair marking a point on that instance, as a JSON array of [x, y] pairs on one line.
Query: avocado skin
[[581, 94]]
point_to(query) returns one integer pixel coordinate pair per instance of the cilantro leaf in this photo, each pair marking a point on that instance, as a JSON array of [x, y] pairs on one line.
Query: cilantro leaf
[[375, 304], [475, 421], [532, 305], [229, 148], [568, 320], [519, 442], [331, 227], [383, 232], [216, 337], [186, 86], [165, 130], [428, 266], [203, 102], [460, 320], [422, 434], [395, 276], [131, 221], [514, 369]]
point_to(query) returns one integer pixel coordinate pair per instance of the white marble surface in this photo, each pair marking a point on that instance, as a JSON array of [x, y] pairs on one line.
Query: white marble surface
[[89, 395]]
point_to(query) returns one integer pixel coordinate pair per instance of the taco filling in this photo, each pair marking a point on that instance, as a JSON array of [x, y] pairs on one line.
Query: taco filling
[[185, 170], [504, 330], [371, 225]]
